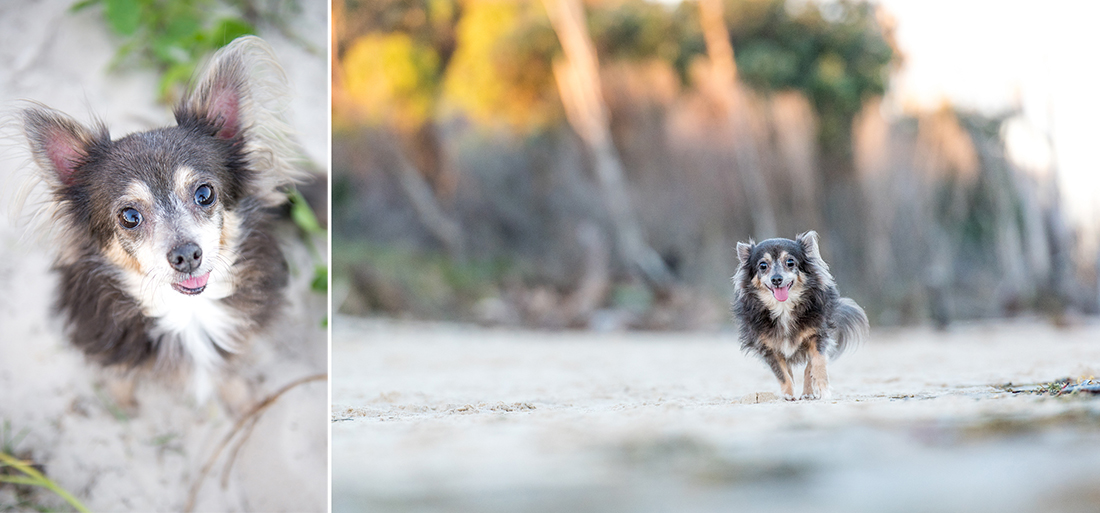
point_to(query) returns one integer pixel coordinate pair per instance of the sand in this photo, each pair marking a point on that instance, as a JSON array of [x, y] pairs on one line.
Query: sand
[[436, 417], [51, 399]]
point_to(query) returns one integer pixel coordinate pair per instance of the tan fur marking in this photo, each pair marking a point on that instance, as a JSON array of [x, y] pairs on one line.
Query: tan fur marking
[[121, 258], [807, 390], [816, 385], [140, 193], [231, 231], [786, 384], [185, 176]]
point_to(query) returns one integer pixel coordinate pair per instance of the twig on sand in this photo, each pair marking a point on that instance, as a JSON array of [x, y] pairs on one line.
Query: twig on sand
[[250, 419]]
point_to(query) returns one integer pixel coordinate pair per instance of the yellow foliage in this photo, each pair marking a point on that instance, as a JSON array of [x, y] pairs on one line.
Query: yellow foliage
[[488, 79], [390, 79]]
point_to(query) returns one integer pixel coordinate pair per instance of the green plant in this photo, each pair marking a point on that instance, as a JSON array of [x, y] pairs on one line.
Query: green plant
[[306, 221], [8, 441], [25, 474], [29, 476], [170, 35], [302, 215]]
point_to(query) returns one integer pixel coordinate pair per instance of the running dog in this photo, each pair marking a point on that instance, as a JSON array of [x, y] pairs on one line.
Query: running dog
[[791, 313]]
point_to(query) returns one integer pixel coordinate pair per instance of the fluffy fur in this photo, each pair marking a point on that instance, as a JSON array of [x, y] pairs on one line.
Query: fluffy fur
[[791, 313], [164, 251]]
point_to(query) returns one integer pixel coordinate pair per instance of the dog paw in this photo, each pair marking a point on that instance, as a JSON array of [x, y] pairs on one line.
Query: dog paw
[[823, 395], [790, 397]]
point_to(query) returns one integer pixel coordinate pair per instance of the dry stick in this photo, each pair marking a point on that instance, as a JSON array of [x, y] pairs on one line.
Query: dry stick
[[251, 416], [237, 448]]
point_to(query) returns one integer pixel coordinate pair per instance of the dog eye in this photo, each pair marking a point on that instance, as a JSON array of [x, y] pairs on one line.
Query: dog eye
[[204, 195], [763, 266], [129, 218], [790, 263]]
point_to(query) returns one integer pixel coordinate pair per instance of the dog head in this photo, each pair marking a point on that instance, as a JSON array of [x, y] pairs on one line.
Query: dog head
[[163, 208], [783, 268]]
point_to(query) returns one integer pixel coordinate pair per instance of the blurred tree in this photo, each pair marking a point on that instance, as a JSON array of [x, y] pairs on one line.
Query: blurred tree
[[391, 57], [726, 89], [577, 74], [411, 64], [391, 79], [501, 73], [839, 55]]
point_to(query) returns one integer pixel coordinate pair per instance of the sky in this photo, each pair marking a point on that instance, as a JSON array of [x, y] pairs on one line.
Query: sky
[[991, 55]]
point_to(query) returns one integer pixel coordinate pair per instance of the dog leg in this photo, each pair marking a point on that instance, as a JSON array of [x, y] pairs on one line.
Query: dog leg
[[807, 388], [236, 394], [816, 385], [782, 372], [120, 386]]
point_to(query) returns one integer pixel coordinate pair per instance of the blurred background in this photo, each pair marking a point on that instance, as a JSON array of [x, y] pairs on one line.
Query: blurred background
[[593, 164]]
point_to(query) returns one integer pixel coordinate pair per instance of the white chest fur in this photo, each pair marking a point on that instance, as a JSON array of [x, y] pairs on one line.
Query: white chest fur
[[193, 327], [196, 326], [782, 312]]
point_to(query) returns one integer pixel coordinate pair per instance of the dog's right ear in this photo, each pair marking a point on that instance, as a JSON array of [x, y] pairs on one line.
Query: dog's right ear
[[58, 143], [744, 250]]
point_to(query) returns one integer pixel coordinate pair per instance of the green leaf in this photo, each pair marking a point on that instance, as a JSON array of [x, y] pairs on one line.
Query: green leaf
[[82, 4], [183, 28], [302, 214], [124, 16], [320, 279], [228, 29], [175, 75]]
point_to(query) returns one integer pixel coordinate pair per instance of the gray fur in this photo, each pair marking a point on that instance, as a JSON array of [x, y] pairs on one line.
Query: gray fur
[[852, 326]]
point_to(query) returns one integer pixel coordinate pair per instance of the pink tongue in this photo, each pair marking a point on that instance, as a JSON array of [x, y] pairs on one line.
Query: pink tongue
[[200, 281], [781, 293]]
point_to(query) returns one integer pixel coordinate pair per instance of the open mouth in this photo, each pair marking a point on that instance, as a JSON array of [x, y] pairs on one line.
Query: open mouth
[[193, 285], [782, 293]]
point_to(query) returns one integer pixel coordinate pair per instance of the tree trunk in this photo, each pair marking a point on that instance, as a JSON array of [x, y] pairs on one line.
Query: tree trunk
[[578, 79], [416, 188], [844, 207], [730, 96]]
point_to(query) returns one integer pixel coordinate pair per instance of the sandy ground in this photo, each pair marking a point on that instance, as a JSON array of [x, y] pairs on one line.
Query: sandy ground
[[449, 418], [52, 397]]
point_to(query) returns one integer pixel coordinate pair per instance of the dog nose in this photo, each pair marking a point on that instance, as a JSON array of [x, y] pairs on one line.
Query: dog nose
[[185, 258], [777, 281]]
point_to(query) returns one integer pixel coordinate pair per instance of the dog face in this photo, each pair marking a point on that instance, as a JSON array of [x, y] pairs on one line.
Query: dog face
[[165, 217], [157, 206], [779, 268]]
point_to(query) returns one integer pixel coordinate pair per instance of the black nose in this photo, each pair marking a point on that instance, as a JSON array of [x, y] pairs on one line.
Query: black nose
[[777, 281], [185, 258]]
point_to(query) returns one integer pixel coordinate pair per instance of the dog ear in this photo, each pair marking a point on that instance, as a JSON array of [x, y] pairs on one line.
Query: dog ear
[[220, 96], [744, 250], [808, 241], [58, 143]]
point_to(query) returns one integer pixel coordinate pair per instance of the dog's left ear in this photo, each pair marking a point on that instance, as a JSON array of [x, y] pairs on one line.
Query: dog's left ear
[[220, 96], [744, 250], [808, 241]]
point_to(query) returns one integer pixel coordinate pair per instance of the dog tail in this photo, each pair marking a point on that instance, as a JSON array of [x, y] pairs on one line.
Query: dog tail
[[851, 324]]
